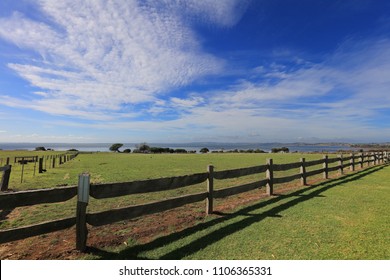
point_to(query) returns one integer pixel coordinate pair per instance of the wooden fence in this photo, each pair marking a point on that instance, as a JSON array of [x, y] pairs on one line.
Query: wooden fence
[[5, 178], [84, 190], [44, 162]]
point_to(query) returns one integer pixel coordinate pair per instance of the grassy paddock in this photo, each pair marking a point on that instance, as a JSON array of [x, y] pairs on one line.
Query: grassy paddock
[[343, 218], [116, 167], [337, 219], [31, 179]]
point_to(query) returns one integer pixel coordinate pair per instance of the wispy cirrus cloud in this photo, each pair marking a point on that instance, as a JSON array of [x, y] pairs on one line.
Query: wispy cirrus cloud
[[101, 55], [141, 66], [344, 95]]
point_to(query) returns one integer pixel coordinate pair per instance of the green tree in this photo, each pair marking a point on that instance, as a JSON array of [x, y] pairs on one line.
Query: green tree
[[115, 147], [204, 150], [143, 148]]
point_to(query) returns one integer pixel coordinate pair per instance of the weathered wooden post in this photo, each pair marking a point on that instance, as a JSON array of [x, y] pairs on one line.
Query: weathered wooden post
[[81, 212], [40, 165], [341, 166], [54, 162], [7, 163], [210, 189], [21, 175], [325, 167], [303, 172], [352, 161], [5, 179], [35, 164], [362, 160], [270, 177]]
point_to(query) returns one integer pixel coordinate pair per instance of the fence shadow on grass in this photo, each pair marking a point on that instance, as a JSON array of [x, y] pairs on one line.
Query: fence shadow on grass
[[249, 219]]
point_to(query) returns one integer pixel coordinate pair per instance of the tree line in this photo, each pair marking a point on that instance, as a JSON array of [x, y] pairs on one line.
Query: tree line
[[144, 148]]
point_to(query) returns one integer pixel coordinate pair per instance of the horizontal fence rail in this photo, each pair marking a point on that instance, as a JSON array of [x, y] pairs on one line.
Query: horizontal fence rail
[[84, 190], [120, 214], [34, 230], [154, 185], [235, 173], [34, 197], [239, 189]]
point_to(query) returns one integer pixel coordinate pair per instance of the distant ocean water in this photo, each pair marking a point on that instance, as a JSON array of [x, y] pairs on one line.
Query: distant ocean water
[[104, 147]]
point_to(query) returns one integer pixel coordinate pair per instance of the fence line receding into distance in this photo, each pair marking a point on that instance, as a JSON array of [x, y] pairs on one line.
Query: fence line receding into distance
[[84, 190]]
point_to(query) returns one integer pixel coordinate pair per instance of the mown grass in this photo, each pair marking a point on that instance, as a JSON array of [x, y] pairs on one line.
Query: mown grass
[[116, 167], [344, 218], [26, 176]]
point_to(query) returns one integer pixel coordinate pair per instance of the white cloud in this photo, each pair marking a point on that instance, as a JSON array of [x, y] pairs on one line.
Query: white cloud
[[99, 60], [190, 102], [342, 96], [103, 54]]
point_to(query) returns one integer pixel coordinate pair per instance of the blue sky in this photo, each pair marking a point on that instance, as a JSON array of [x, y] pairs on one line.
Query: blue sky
[[188, 71]]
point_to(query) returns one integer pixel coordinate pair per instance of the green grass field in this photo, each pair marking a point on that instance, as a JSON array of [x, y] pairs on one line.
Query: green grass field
[[116, 167], [341, 218]]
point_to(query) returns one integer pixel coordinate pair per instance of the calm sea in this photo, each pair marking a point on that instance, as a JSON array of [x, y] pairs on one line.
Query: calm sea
[[104, 147]]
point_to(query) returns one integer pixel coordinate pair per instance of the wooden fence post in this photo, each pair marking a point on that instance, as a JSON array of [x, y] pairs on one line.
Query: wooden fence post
[[54, 162], [270, 177], [210, 190], [40, 166], [81, 212], [325, 166], [352, 161], [362, 160], [5, 178], [35, 164], [7, 163], [21, 175], [303, 172], [341, 166]]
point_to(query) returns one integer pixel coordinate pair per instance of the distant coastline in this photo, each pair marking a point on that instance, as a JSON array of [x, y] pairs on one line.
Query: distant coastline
[[196, 146]]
